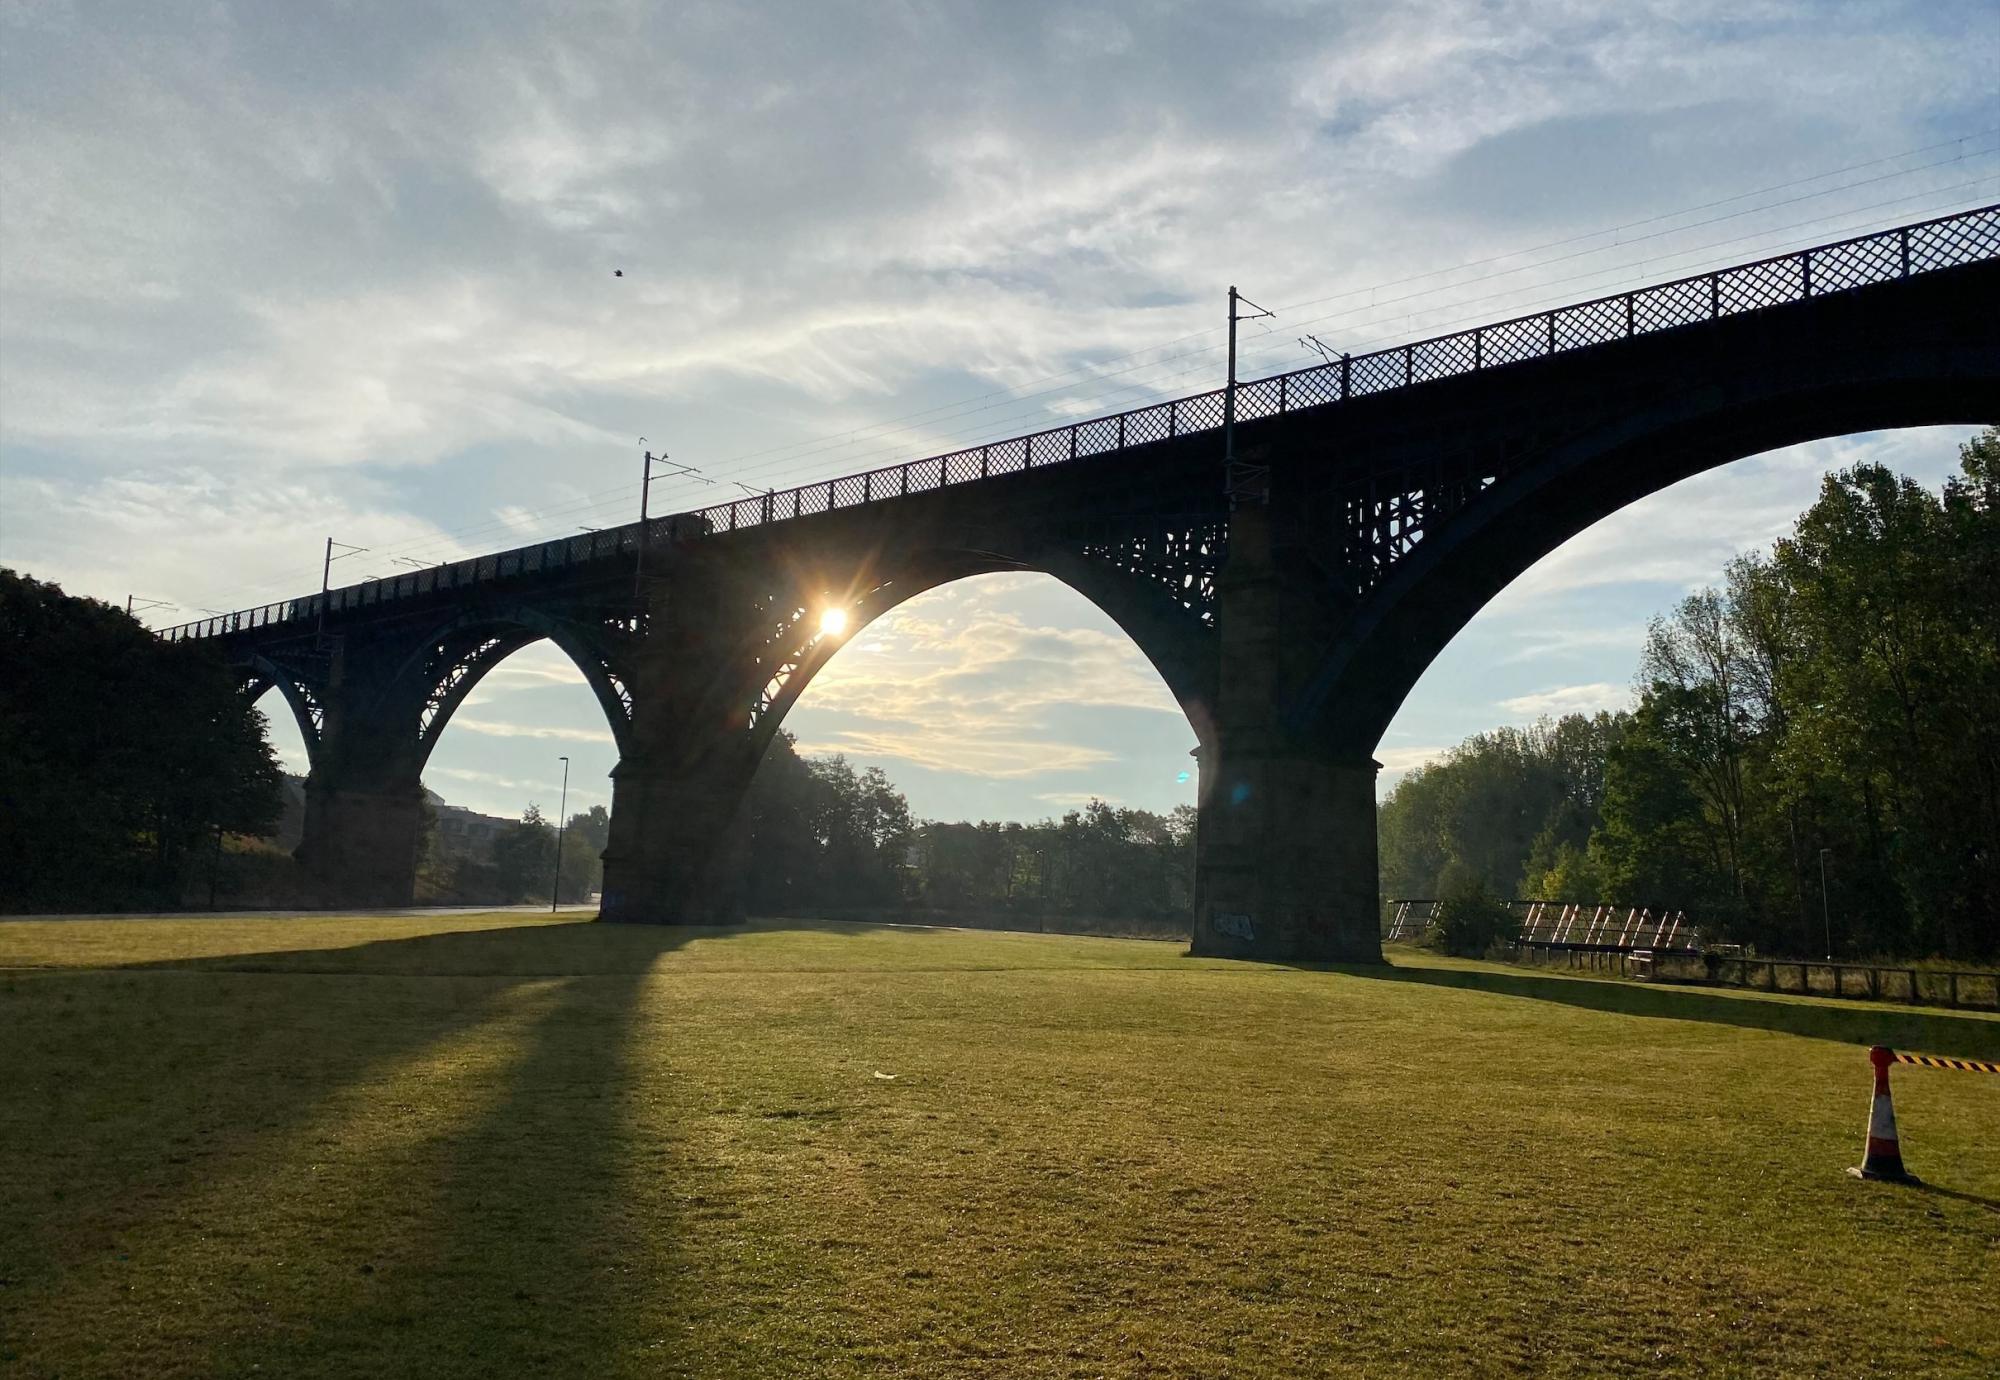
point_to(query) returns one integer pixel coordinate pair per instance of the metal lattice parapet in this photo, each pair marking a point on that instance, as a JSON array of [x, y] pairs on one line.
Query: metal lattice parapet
[[1949, 241]]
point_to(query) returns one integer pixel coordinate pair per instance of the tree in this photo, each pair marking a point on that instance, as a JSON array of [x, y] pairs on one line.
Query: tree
[[524, 856], [1501, 805], [1694, 664], [583, 843], [1469, 919], [1653, 847], [121, 756], [822, 834], [1836, 701], [1895, 698]]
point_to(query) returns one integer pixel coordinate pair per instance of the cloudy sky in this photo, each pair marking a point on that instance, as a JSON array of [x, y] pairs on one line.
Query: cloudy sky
[[270, 273]]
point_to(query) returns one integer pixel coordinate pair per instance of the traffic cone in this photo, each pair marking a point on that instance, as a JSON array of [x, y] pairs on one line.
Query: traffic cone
[[1883, 1158]]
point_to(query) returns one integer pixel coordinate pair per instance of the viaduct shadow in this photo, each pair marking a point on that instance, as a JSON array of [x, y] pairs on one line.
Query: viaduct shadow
[[1964, 1035], [515, 1243]]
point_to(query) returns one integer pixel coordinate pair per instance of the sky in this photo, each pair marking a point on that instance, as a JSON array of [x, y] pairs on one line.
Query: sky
[[420, 277]]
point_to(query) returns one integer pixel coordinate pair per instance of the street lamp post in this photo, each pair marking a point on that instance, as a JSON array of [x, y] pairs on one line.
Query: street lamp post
[[562, 818], [1825, 911]]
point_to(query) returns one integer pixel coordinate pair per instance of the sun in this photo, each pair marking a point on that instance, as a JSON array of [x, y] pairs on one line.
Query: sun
[[833, 622]]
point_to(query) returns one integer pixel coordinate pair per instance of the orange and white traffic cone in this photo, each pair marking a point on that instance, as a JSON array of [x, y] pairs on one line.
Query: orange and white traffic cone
[[1884, 1157]]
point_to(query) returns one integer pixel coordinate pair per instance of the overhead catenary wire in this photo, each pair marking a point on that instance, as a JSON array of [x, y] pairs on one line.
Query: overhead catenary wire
[[1253, 355], [1798, 243], [1094, 372], [1375, 306], [783, 468], [591, 503], [1161, 373]]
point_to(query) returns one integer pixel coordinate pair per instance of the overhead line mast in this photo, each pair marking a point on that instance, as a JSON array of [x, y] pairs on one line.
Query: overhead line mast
[[1240, 481]]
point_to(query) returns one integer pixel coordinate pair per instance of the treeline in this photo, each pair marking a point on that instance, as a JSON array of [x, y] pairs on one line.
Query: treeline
[[523, 863], [1502, 809], [825, 837], [1832, 711], [123, 759], [1094, 864]]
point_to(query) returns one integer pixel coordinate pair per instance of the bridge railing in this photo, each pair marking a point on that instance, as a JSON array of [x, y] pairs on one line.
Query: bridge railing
[[1906, 251], [583, 549]]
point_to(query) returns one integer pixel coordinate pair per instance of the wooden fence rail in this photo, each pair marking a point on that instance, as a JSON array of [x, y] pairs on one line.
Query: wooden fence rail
[[1952, 987]]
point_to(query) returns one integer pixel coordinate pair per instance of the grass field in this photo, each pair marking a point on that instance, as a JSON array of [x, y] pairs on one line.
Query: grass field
[[498, 1146]]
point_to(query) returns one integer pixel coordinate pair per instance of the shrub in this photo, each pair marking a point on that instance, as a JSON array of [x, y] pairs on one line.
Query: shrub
[[1468, 920]]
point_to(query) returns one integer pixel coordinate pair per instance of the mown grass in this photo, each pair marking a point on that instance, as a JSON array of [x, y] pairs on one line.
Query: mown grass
[[499, 1146]]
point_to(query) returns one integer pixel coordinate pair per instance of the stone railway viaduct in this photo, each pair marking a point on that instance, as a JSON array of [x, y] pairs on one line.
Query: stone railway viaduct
[[1379, 503]]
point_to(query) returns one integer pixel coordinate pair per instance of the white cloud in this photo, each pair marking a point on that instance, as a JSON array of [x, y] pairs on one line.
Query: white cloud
[[250, 300], [1402, 759], [561, 733], [1075, 800], [1565, 642], [1569, 699], [985, 755], [192, 536], [537, 665], [962, 684], [1400, 762]]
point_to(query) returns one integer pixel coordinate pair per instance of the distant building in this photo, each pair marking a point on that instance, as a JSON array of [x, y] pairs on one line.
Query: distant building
[[463, 833]]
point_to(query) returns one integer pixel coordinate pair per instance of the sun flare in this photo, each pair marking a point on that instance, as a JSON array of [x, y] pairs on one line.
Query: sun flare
[[833, 622]]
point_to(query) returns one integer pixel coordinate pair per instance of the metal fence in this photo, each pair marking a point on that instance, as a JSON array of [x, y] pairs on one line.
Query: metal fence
[[1582, 925], [1909, 250]]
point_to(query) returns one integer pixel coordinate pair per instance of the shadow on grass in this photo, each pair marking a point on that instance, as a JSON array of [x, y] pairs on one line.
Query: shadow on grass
[[513, 1248], [514, 1241], [520, 951], [1966, 1036], [1979, 1199], [544, 949], [525, 1250]]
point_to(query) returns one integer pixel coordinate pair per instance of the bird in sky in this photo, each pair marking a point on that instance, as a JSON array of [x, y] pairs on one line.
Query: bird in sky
[[618, 273]]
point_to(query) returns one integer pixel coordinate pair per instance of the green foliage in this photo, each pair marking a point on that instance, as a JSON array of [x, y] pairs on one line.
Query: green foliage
[[1651, 847], [1836, 700], [1893, 748], [1833, 709], [1102, 862], [1500, 806], [120, 756], [1468, 918], [824, 836], [583, 843], [1841, 697], [1569, 873], [524, 857]]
